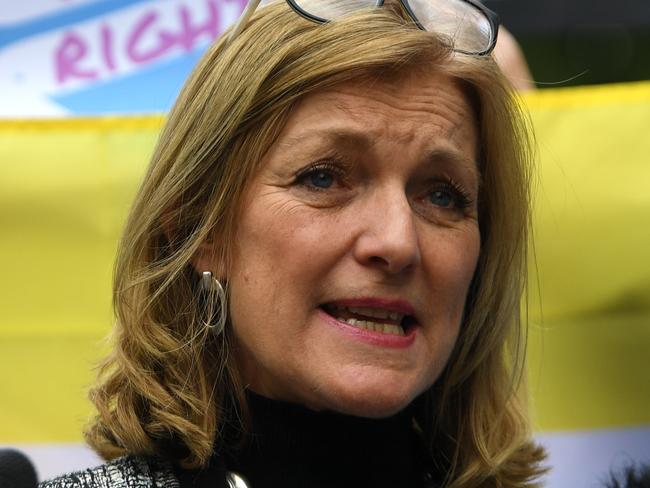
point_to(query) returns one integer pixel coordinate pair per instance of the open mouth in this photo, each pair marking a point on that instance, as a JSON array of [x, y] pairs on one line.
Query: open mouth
[[373, 319]]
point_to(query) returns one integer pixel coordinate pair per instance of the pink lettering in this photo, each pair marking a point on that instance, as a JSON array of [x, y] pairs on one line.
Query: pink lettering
[[190, 33], [145, 41], [166, 40], [107, 47], [70, 52]]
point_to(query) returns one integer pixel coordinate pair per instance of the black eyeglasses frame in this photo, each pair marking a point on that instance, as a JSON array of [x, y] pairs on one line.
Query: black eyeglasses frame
[[492, 17]]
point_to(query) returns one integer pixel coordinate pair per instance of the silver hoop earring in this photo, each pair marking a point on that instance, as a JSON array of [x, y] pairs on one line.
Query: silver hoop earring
[[211, 287]]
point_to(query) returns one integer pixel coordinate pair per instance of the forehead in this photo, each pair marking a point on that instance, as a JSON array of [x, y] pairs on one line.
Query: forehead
[[416, 108]]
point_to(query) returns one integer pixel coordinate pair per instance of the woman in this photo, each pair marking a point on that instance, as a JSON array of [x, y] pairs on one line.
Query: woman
[[319, 281]]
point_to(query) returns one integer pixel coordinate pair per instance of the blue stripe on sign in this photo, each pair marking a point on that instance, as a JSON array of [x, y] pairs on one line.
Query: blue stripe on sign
[[69, 16], [147, 91]]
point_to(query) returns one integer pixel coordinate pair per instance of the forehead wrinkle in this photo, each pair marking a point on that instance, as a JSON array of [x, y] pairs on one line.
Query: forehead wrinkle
[[301, 128], [334, 134], [402, 115], [432, 110]]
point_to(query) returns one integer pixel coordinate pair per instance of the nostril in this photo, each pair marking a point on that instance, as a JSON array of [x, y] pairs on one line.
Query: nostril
[[378, 260]]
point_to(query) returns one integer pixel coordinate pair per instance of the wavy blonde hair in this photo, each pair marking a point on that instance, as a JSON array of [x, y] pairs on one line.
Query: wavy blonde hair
[[163, 389]]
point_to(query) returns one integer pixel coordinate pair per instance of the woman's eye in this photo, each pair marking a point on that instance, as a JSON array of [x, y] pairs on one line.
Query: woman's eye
[[319, 179], [325, 184], [448, 195], [441, 198]]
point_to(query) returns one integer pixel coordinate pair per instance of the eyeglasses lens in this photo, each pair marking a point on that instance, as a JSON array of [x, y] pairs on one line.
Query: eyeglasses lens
[[465, 25]]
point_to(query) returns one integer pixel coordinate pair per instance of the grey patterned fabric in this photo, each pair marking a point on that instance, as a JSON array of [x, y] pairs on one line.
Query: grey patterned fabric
[[124, 472]]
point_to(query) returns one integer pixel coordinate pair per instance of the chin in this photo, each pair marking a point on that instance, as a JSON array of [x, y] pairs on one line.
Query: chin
[[372, 401]]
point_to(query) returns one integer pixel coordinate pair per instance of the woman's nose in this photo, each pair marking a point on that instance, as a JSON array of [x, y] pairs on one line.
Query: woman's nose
[[388, 239]]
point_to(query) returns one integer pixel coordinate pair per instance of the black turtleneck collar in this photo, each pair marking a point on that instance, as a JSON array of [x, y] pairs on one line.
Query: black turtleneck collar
[[290, 446]]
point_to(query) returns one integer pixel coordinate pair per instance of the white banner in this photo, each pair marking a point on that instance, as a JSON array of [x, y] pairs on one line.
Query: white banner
[[84, 57]]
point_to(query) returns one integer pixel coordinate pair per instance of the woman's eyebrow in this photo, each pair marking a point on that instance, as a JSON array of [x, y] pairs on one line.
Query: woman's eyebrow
[[452, 157], [358, 139], [348, 136]]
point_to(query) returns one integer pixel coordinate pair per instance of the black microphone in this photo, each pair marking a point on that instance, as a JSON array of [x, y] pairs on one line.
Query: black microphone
[[16, 471]]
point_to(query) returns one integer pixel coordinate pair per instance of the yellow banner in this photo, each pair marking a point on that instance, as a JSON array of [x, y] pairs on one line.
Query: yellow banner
[[65, 188], [589, 349]]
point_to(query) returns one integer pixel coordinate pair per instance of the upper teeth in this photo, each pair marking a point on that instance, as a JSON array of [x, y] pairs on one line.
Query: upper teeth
[[374, 326], [376, 313]]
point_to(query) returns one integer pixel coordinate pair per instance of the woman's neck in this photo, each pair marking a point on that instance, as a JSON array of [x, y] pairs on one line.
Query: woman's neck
[[292, 446]]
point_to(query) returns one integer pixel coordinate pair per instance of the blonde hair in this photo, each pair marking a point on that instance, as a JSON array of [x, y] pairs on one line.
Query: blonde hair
[[164, 388]]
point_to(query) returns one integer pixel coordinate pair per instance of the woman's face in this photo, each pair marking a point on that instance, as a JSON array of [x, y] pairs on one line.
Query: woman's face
[[356, 247]]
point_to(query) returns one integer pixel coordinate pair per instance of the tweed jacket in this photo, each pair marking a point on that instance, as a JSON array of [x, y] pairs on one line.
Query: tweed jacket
[[147, 472], [124, 472]]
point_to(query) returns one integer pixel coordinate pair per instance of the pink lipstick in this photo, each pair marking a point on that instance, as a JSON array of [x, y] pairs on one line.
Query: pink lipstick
[[379, 321]]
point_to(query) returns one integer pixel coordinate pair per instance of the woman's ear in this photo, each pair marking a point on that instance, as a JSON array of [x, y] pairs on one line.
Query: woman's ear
[[208, 258]]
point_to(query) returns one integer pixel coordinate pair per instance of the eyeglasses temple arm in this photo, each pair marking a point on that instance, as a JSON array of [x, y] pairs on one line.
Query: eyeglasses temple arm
[[243, 19]]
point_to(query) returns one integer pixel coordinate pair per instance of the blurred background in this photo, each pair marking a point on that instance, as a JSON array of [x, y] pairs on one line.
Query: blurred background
[[84, 88], [580, 42]]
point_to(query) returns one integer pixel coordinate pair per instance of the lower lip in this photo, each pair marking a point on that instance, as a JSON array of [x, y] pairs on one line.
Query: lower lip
[[372, 337]]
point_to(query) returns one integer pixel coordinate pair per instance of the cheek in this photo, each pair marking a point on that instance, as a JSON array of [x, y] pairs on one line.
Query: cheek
[[278, 262], [282, 231], [451, 269], [467, 259], [451, 266], [461, 245]]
